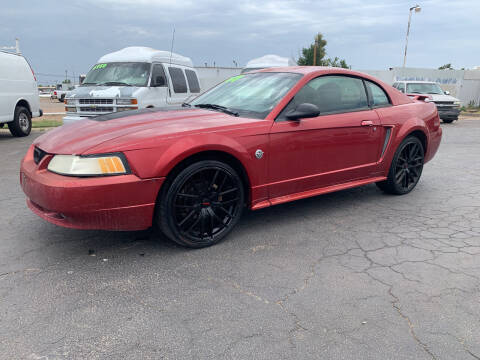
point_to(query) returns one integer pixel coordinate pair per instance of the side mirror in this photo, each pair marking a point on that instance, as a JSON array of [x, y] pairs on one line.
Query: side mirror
[[302, 111], [447, 92], [159, 81]]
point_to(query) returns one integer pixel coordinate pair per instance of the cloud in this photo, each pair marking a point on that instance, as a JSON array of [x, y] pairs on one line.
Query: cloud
[[368, 34]]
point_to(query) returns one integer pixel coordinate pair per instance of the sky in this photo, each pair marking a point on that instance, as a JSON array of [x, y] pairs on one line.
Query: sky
[[71, 35]]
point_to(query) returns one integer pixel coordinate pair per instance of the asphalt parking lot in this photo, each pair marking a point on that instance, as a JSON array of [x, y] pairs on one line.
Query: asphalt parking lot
[[350, 275]]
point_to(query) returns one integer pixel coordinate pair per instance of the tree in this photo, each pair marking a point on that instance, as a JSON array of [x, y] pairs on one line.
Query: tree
[[307, 53], [307, 56], [336, 62], [446, 67]]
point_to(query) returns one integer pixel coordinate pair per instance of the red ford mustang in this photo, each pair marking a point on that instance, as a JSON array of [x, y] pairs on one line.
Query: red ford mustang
[[256, 140]]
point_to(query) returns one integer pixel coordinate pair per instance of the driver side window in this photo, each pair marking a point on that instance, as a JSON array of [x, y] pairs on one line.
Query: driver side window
[[331, 94]]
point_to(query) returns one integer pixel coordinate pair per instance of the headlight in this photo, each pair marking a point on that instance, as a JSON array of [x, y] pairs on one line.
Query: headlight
[[91, 165], [126, 101], [456, 103], [70, 109], [70, 101]]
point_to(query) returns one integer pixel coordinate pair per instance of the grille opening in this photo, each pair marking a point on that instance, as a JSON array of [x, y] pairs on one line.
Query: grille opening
[[97, 109], [95, 101]]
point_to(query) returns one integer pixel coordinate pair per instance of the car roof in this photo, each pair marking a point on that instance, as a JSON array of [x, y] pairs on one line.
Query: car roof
[[145, 54], [313, 71], [310, 72]]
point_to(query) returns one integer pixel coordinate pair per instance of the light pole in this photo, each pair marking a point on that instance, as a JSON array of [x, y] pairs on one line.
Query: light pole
[[417, 9]]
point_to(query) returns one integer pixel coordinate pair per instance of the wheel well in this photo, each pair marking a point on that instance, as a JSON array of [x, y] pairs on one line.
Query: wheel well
[[214, 155], [25, 104], [421, 136]]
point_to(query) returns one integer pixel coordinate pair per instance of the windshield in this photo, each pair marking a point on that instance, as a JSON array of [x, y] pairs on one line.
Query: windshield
[[252, 95], [119, 73], [423, 88]]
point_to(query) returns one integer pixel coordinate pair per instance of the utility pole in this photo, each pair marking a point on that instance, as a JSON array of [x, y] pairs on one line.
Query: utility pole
[[315, 51], [417, 9]]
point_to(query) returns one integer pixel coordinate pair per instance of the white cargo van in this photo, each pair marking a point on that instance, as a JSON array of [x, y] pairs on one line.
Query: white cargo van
[[132, 78], [19, 99]]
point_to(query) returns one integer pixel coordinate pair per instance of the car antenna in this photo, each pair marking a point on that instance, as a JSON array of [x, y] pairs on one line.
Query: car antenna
[[171, 48]]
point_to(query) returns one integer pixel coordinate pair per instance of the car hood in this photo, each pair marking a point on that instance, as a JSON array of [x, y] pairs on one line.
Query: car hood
[[134, 131], [103, 91], [442, 97]]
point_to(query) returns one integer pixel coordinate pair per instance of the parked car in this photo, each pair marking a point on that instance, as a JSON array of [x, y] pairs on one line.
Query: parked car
[[448, 106], [255, 140], [19, 99], [133, 78]]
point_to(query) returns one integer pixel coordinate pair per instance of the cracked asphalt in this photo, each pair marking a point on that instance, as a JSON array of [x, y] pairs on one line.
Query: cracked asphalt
[[351, 275]]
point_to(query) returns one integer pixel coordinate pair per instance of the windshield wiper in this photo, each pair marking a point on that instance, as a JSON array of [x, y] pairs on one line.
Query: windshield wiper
[[120, 83], [217, 107], [88, 83], [185, 104], [414, 92]]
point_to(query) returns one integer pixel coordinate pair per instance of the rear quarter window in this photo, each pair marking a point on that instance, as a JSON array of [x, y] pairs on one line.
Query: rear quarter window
[[378, 97]]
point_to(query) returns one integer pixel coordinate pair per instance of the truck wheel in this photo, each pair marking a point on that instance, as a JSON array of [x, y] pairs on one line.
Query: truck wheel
[[22, 122], [449, 121], [61, 98]]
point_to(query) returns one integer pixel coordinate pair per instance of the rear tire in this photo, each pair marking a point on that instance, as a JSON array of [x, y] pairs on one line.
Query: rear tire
[[448, 121], [201, 205], [22, 122], [406, 168]]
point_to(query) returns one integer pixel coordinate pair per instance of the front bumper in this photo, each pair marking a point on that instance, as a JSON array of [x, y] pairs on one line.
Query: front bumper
[[70, 119], [123, 202], [449, 113]]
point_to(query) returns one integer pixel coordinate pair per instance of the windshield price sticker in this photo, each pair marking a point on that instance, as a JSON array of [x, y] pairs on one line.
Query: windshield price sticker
[[235, 78], [99, 66]]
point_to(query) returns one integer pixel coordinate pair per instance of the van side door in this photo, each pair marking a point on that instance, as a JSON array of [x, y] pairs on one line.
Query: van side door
[[178, 89]]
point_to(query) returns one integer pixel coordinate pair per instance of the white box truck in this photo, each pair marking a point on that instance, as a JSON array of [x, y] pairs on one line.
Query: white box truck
[[133, 78], [19, 98]]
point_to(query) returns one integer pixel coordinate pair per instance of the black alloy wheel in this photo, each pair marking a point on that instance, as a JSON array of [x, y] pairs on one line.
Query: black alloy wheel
[[202, 204], [406, 167]]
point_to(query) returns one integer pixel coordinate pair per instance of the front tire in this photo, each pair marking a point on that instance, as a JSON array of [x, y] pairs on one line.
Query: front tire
[[22, 122], [201, 205], [406, 167], [449, 121]]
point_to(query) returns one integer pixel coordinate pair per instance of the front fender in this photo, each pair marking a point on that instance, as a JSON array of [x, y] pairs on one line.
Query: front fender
[[158, 162]]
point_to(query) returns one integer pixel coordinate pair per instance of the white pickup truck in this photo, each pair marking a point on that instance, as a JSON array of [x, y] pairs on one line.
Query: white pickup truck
[[61, 91], [133, 78]]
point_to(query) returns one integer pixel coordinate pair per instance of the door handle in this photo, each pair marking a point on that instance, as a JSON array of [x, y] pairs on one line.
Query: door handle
[[367, 123]]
